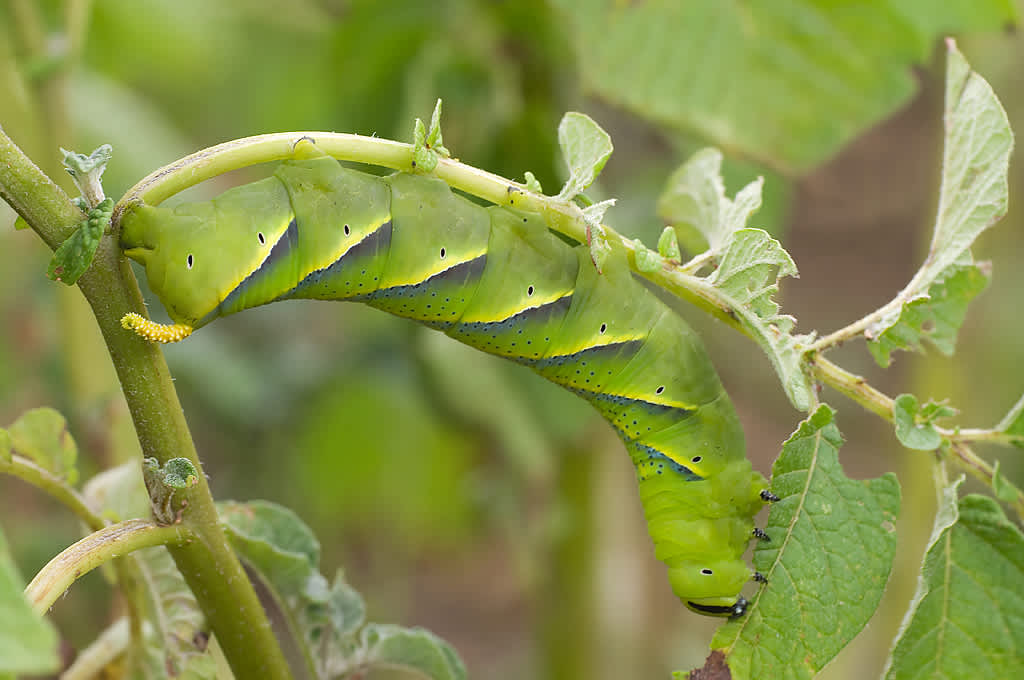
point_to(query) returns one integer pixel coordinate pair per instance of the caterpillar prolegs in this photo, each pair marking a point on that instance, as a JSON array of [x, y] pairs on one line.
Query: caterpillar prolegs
[[496, 279]]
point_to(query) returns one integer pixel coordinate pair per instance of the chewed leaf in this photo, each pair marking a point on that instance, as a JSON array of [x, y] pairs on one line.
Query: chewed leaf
[[586, 148], [747, 277], [975, 161], [935, 317], [832, 545], [28, 642], [694, 201], [964, 618], [42, 435]]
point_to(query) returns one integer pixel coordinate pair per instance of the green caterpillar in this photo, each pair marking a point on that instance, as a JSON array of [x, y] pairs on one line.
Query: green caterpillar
[[496, 279]]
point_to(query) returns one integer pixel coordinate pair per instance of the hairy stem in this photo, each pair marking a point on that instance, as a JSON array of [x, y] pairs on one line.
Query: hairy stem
[[208, 564]]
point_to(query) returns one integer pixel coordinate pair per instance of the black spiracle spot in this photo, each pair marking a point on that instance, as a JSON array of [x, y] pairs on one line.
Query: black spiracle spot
[[189, 261], [262, 238]]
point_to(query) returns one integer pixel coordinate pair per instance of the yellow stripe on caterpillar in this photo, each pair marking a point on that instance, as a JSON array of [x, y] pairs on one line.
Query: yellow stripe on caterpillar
[[153, 331]]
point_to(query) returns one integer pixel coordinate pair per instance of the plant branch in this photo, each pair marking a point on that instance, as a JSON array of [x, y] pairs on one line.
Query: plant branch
[[857, 389], [208, 564], [99, 547], [27, 471]]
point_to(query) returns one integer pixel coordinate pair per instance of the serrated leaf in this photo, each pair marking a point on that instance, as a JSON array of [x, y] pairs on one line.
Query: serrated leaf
[[28, 643], [585, 148], [747, 276], [915, 425], [42, 435], [832, 544], [785, 83], [1013, 424], [967, 618], [935, 317], [694, 201], [410, 649]]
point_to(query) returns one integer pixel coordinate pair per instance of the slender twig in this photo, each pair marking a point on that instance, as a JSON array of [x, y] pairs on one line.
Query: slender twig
[[95, 549], [25, 470]]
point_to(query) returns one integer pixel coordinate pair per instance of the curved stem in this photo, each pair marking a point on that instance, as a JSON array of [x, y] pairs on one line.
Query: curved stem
[[25, 470], [95, 549]]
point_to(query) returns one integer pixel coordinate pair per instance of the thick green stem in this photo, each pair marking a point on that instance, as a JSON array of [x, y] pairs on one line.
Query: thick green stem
[[100, 547], [208, 564]]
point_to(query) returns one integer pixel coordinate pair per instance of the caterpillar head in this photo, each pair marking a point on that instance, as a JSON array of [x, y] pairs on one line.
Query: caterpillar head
[[196, 253], [711, 587]]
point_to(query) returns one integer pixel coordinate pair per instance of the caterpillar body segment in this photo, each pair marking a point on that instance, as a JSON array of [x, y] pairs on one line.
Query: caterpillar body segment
[[499, 280]]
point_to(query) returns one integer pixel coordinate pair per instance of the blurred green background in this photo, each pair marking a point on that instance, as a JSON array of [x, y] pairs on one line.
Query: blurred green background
[[458, 492]]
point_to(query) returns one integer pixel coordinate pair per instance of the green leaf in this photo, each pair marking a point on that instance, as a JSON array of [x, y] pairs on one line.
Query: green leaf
[[599, 246], [832, 545], [694, 201], [975, 160], [282, 549], [967, 617], [915, 426], [585, 148], [785, 83], [28, 642], [668, 244], [180, 473], [427, 146], [935, 317], [1013, 424], [751, 266], [75, 255], [532, 183], [86, 171], [1004, 490], [42, 435], [411, 649]]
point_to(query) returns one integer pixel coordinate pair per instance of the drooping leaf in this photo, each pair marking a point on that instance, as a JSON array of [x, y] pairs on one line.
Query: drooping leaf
[[967, 616], [935, 317], [75, 255], [28, 643], [785, 83], [973, 197], [42, 435], [585, 148], [831, 550]]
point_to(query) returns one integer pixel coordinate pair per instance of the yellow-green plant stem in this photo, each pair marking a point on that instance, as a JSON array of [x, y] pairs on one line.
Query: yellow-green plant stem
[[207, 563], [27, 471], [99, 547]]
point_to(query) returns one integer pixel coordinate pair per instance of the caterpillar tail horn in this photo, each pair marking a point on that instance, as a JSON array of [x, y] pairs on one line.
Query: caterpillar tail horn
[[153, 331]]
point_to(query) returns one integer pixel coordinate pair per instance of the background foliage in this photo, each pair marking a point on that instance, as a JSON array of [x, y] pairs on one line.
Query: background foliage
[[457, 492]]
